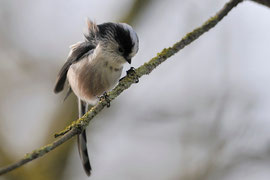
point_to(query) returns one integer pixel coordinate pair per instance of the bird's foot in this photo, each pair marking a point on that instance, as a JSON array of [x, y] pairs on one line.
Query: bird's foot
[[106, 98], [131, 72]]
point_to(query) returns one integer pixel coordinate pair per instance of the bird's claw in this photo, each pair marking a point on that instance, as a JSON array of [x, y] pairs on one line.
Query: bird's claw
[[131, 72], [106, 98]]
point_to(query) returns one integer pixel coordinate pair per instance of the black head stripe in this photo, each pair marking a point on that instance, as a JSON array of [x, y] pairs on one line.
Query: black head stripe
[[105, 30], [119, 33], [122, 36]]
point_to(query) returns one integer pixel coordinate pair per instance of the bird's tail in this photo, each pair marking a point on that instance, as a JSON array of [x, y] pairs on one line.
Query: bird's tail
[[81, 138]]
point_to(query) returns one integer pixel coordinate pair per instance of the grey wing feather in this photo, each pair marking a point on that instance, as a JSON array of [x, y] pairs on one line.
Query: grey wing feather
[[77, 52], [68, 93]]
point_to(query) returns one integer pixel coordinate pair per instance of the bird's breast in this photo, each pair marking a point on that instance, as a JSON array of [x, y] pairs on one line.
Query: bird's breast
[[89, 79]]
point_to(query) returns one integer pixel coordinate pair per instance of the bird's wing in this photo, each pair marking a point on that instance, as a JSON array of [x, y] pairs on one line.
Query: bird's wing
[[77, 51]]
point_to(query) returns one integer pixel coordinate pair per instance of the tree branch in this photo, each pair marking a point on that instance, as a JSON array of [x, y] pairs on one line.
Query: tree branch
[[263, 2], [77, 126], [39, 152], [137, 7]]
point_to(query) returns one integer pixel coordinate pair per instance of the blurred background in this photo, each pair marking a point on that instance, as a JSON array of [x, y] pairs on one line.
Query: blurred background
[[202, 115]]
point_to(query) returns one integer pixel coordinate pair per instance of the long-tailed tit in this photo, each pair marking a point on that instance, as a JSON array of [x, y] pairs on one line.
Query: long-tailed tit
[[94, 67]]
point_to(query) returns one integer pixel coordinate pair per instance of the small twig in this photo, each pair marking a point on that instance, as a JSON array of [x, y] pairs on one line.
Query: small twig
[[125, 83], [61, 133]]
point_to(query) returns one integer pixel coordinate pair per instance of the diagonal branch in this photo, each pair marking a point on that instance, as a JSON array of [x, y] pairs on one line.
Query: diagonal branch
[[77, 126], [263, 2]]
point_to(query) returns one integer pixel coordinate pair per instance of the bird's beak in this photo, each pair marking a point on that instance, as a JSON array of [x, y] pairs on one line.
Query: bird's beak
[[128, 60]]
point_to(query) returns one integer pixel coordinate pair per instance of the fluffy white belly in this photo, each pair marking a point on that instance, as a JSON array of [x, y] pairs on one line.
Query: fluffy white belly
[[89, 79]]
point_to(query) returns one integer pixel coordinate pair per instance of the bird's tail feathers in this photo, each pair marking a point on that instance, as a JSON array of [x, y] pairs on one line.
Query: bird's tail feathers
[[82, 142]]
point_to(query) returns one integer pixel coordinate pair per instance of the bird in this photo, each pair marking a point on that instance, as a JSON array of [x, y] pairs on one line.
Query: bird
[[94, 66]]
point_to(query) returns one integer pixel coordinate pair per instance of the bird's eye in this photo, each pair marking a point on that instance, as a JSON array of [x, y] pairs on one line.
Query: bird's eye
[[121, 50]]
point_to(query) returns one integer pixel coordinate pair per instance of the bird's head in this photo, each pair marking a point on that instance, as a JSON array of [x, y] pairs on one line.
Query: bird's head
[[117, 40]]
